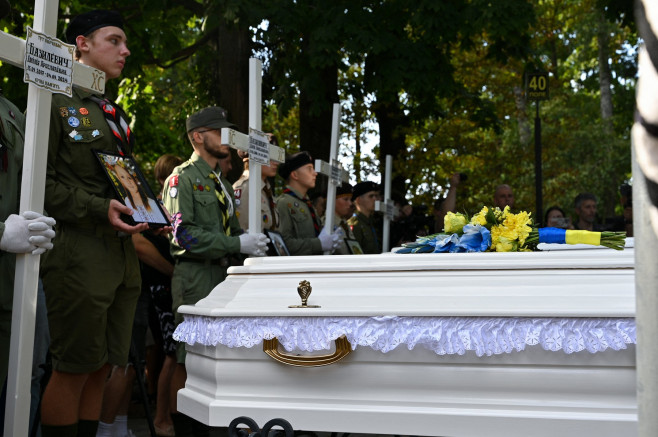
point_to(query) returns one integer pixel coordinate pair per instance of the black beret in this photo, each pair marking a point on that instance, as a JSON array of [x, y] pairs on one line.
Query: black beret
[[364, 187], [212, 117], [293, 163], [344, 189], [86, 23]]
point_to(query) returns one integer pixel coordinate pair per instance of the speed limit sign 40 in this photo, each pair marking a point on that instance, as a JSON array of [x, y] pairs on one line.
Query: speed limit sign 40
[[536, 86]]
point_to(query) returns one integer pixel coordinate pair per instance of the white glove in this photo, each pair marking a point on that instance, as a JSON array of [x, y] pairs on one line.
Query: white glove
[[28, 232], [253, 244], [330, 242]]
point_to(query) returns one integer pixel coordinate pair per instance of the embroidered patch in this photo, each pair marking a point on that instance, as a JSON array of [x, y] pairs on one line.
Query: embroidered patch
[[237, 202], [265, 218], [301, 210], [63, 111], [73, 122], [207, 187], [86, 122], [173, 192], [71, 110], [238, 193], [73, 133], [84, 111], [173, 181], [95, 133]]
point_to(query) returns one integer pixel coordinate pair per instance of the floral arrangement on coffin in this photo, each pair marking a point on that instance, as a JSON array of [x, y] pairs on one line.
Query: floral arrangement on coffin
[[502, 231]]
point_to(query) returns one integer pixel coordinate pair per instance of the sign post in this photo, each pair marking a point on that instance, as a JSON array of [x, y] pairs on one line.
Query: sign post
[[387, 207], [537, 89], [333, 170], [37, 125], [256, 144]]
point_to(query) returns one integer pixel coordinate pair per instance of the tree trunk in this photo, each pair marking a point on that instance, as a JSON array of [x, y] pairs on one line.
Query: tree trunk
[[230, 88], [392, 122]]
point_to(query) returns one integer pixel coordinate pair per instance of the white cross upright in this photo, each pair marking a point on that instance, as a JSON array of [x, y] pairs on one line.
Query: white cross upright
[[37, 125], [333, 170], [256, 143], [387, 206]]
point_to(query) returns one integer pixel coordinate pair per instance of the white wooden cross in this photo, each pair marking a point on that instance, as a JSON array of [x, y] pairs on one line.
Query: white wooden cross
[[333, 170], [37, 125], [387, 206], [256, 143]]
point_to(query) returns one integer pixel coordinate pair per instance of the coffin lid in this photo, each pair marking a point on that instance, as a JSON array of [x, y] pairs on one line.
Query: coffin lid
[[580, 282]]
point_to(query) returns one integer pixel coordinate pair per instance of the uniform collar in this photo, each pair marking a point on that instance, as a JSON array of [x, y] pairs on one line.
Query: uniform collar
[[296, 193], [202, 165]]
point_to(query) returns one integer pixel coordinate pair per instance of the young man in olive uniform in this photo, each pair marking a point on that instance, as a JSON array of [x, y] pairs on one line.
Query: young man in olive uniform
[[300, 226], [268, 212], [364, 196], [342, 212], [206, 230], [91, 278]]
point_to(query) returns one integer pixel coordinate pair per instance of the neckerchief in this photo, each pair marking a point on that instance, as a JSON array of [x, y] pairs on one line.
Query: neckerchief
[[270, 199], [116, 119], [225, 204], [308, 202]]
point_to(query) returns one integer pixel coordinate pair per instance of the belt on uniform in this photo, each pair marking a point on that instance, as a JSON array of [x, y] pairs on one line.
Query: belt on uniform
[[223, 262]]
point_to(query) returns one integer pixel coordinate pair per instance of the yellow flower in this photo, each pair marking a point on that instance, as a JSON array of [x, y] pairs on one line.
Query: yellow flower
[[481, 217], [505, 245], [454, 223]]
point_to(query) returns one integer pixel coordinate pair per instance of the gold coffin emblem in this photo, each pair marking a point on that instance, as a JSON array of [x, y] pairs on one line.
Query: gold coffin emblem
[[343, 349], [304, 290]]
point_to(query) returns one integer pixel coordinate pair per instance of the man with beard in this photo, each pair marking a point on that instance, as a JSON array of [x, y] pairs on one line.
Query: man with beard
[[206, 230]]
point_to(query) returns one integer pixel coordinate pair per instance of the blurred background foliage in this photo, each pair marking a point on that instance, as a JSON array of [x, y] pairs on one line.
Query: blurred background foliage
[[437, 84]]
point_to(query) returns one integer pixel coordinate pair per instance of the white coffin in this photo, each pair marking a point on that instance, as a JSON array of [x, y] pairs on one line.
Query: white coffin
[[544, 345]]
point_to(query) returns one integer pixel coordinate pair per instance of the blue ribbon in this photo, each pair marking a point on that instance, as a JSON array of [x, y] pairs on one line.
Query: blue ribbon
[[552, 235]]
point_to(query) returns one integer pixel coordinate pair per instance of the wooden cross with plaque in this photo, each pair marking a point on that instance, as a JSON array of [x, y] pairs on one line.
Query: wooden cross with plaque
[[42, 82]]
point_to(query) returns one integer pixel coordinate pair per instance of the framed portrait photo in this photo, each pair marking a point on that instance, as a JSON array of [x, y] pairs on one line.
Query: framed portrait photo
[[277, 246], [132, 189], [353, 246]]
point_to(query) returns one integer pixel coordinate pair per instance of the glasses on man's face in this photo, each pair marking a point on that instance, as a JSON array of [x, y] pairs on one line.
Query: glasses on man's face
[[209, 130]]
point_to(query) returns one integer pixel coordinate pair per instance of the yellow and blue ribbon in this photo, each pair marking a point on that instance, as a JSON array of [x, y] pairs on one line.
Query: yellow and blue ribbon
[[567, 236]]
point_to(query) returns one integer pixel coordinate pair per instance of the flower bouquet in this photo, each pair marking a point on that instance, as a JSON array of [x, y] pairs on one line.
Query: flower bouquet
[[502, 231]]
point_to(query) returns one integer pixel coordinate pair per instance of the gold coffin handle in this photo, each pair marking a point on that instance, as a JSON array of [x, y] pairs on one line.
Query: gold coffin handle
[[343, 349]]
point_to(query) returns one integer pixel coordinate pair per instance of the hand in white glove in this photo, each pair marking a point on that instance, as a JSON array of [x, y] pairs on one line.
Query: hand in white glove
[[28, 232], [253, 244], [329, 242]]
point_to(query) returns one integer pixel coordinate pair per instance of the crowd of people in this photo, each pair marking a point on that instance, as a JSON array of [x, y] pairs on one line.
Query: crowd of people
[[105, 281]]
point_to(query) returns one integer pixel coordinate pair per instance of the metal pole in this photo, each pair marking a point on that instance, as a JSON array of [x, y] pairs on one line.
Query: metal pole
[[538, 176], [387, 198]]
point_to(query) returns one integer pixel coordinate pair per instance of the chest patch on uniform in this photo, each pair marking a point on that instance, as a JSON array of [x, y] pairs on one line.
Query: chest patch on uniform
[[73, 133], [63, 111], [84, 111], [95, 133], [73, 122], [71, 110], [173, 181], [86, 122], [238, 193]]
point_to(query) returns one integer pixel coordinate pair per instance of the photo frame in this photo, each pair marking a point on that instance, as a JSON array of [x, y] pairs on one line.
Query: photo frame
[[354, 247], [276, 246], [132, 189]]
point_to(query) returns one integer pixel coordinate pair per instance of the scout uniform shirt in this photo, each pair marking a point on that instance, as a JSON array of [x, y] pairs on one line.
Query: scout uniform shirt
[[364, 232], [77, 191], [203, 229], [268, 212], [341, 226], [12, 126], [296, 225]]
